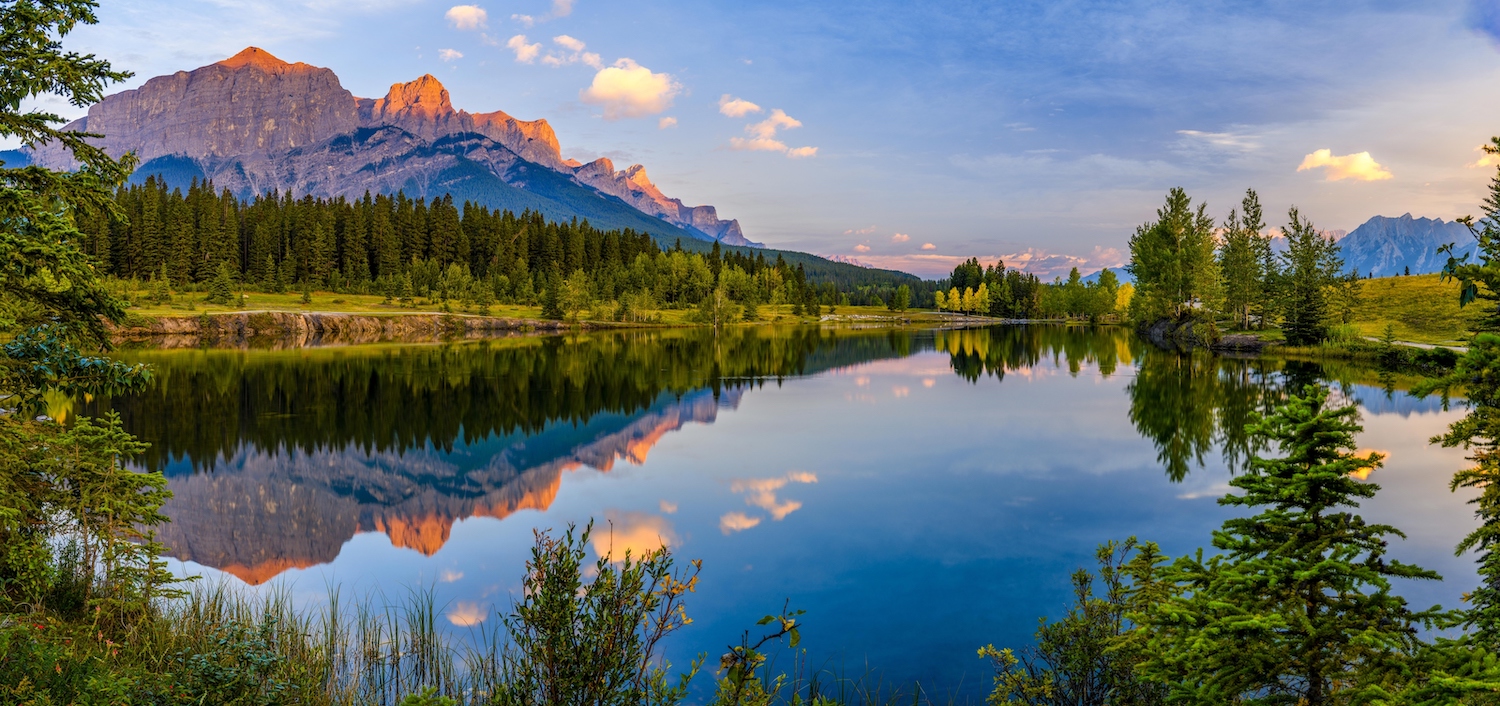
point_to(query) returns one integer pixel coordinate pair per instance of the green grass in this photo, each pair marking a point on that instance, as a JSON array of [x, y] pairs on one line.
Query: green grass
[[1420, 308]]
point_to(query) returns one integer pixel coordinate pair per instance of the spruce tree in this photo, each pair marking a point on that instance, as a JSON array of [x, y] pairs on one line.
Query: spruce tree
[[1172, 260], [552, 298], [1312, 263], [1297, 606], [221, 289]]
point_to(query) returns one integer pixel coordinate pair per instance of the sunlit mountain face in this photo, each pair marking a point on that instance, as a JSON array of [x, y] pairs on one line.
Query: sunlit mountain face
[[950, 480]]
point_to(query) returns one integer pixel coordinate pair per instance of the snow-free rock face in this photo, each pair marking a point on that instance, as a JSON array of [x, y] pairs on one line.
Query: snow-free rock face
[[1385, 246], [254, 123]]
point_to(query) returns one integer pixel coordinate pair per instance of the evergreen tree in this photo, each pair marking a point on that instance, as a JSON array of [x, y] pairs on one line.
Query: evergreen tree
[[552, 298], [1172, 259], [901, 300], [1312, 263], [1297, 606], [1241, 263], [221, 289]]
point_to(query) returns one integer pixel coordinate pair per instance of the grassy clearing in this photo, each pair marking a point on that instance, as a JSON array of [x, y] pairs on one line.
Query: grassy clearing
[[1420, 308]]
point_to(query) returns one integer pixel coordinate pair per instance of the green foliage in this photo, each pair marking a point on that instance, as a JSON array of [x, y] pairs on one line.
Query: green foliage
[[1244, 253], [1088, 657], [427, 697], [901, 300], [595, 641], [738, 682], [1297, 606], [575, 295], [1172, 259], [1311, 267], [221, 290]]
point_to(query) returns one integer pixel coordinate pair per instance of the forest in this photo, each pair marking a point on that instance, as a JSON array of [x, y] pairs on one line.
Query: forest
[[403, 248]]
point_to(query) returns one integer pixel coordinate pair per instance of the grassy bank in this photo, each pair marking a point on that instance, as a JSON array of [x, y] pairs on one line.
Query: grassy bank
[[578, 634]]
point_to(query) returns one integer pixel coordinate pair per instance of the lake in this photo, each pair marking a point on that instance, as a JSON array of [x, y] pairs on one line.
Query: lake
[[918, 493]]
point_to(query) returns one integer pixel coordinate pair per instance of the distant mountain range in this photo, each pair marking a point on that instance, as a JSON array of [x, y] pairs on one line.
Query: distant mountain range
[[1384, 246], [254, 123]]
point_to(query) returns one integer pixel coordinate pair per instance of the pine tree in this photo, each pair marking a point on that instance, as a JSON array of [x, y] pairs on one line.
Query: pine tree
[[1297, 606], [1312, 263], [1172, 260], [221, 288], [1240, 260], [552, 298]]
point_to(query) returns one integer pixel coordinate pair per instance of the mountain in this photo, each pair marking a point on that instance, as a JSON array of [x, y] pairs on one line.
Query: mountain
[[254, 123], [1385, 246]]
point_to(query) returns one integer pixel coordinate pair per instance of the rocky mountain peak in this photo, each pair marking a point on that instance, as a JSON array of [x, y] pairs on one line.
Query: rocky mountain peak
[[426, 96], [257, 58]]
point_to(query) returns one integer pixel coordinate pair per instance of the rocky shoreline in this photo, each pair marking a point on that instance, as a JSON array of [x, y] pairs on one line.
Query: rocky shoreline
[[290, 329]]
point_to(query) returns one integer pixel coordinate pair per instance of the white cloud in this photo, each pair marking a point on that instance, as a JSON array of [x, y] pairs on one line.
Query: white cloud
[[736, 107], [567, 42], [900, 238], [666, 122], [761, 493], [1223, 140], [1359, 166], [450, 54], [525, 53], [668, 507], [928, 246], [757, 144], [861, 248], [466, 614], [629, 90], [449, 575], [861, 231], [562, 8], [779, 120], [574, 55], [763, 135], [1486, 158], [736, 522], [467, 17], [524, 20]]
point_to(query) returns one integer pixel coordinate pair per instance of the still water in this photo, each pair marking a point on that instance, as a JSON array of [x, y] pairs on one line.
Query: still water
[[919, 494]]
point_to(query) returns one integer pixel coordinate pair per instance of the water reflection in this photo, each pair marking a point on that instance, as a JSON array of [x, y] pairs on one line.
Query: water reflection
[[951, 479]]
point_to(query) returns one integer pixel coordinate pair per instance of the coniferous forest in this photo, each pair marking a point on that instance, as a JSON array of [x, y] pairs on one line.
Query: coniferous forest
[[402, 248]]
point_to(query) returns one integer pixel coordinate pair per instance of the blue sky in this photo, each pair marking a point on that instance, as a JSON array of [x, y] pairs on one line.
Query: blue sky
[[1039, 131]]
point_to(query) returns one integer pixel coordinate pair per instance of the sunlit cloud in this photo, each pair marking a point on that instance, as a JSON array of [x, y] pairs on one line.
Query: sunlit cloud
[[449, 54], [763, 136], [862, 381], [736, 522], [761, 492], [562, 8], [1218, 490], [525, 53], [1359, 166], [928, 246], [861, 231], [524, 20], [666, 122], [449, 575], [1486, 158], [861, 248], [667, 506], [635, 533], [928, 382], [901, 391], [900, 238], [736, 107], [467, 17], [466, 614], [574, 54], [629, 90]]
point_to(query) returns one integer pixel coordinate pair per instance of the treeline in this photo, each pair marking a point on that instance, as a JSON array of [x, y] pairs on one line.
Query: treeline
[[998, 291], [405, 248], [1189, 269]]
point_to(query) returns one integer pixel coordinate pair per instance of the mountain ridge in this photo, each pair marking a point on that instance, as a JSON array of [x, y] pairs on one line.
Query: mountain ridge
[[254, 123]]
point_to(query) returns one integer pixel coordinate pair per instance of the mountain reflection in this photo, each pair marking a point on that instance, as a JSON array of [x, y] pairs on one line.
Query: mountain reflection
[[277, 458]]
